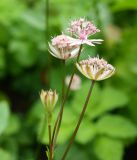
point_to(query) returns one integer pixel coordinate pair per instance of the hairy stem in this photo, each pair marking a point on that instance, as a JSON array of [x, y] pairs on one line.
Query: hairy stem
[[79, 121]]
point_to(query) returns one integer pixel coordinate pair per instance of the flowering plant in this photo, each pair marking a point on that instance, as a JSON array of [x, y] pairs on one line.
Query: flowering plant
[[95, 69]]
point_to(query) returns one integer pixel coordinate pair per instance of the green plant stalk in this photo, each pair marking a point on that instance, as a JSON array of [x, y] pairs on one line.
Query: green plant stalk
[[60, 115], [63, 80], [50, 149], [63, 94], [41, 136], [79, 121]]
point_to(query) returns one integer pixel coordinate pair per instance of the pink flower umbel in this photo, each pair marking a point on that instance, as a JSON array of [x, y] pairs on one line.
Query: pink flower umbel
[[95, 69], [82, 29], [60, 47], [76, 82]]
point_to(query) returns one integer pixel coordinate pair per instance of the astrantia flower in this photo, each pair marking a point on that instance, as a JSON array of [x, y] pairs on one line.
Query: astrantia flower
[[76, 82], [95, 68], [82, 29], [60, 47], [49, 100]]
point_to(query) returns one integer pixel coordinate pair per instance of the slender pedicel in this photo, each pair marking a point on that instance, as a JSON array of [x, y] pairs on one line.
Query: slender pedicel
[[63, 79], [59, 117], [50, 147], [79, 121]]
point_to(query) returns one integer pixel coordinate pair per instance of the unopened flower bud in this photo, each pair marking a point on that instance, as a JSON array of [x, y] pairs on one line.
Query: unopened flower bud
[[49, 100]]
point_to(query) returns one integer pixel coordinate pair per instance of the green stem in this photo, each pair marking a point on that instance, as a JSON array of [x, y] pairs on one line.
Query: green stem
[[59, 118], [63, 95], [79, 121], [80, 49], [50, 148], [40, 137], [60, 115], [63, 80]]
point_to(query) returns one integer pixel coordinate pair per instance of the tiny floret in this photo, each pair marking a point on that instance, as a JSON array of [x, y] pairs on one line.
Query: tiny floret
[[81, 29], [95, 68], [49, 100], [60, 47]]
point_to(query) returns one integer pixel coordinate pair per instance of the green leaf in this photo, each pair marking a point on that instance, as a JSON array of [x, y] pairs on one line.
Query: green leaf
[[65, 133], [76, 153], [9, 11], [116, 126], [67, 126], [121, 5], [79, 100], [132, 110], [101, 100], [13, 126], [110, 99], [34, 19], [24, 53], [4, 115], [11, 146], [107, 148], [4, 155], [69, 116], [86, 132], [35, 112]]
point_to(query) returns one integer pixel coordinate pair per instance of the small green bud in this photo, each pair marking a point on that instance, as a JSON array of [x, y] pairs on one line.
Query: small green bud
[[49, 100]]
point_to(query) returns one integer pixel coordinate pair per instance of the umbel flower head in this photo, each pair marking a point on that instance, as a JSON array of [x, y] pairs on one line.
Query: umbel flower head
[[49, 100], [60, 47], [95, 68], [82, 29]]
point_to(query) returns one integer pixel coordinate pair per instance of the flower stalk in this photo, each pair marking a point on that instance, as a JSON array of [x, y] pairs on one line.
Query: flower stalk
[[50, 135], [79, 121], [42, 132], [60, 115], [49, 99], [63, 80], [65, 47]]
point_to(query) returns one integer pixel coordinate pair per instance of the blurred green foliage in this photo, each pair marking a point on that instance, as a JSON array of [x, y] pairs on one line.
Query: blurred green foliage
[[110, 123]]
